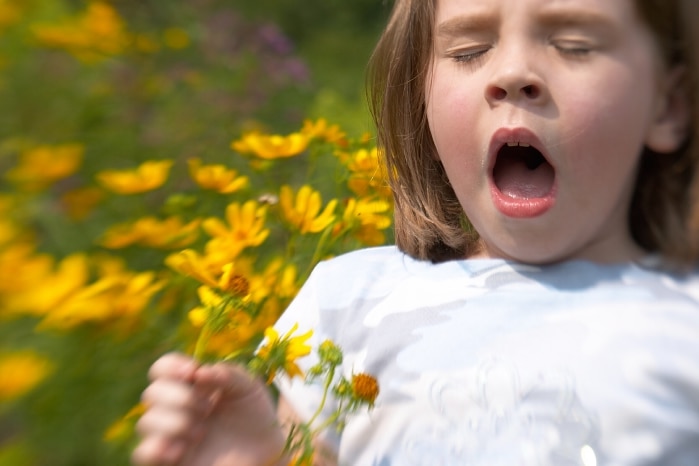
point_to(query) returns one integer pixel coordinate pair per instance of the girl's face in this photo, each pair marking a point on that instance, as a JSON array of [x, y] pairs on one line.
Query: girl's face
[[539, 110]]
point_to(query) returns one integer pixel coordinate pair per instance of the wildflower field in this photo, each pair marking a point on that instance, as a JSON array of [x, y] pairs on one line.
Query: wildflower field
[[170, 172]]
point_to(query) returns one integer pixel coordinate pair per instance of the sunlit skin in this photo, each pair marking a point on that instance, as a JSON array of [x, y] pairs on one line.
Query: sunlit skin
[[580, 80]]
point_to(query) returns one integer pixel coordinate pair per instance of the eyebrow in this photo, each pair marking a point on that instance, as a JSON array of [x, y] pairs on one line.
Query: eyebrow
[[466, 23], [547, 18], [572, 17]]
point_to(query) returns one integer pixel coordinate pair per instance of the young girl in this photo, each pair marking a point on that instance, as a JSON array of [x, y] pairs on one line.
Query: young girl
[[542, 304]]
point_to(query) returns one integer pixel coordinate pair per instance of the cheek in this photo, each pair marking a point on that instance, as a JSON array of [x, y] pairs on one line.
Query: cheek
[[607, 127], [452, 118]]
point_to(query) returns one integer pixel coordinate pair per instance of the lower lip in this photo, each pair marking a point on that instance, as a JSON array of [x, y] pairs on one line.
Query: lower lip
[[521, 207]]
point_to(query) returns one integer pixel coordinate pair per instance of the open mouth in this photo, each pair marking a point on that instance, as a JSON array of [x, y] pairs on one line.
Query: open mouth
[[522, 172]]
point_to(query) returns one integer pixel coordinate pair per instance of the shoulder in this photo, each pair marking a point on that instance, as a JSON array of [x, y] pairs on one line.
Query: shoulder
[[365, 271]]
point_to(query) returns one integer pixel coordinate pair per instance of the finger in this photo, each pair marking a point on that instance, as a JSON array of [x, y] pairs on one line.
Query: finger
[[163, 422], [175, 366], [233, 380], [176, 395], [158, 451]]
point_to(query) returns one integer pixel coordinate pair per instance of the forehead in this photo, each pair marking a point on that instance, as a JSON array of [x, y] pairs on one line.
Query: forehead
[[623, 11]]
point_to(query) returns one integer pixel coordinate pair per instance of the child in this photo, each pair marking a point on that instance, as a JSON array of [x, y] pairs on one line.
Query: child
[[542, 304]]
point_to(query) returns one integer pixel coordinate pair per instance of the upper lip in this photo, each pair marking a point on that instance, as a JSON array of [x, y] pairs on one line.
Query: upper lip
[[504, 136]]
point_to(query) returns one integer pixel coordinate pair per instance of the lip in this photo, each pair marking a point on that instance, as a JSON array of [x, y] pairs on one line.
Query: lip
[[518, 207]]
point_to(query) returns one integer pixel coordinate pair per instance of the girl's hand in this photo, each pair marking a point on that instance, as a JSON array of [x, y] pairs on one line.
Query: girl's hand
[[206, 415]]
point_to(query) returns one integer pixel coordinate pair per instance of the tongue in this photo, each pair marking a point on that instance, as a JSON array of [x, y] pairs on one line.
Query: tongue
[[514, 179]]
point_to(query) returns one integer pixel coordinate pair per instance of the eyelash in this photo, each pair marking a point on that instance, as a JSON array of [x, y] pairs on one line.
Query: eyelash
[[473, 58], [470, 58], [574, 51]]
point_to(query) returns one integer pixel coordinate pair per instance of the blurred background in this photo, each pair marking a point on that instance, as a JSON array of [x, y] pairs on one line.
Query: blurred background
[[92, 86]]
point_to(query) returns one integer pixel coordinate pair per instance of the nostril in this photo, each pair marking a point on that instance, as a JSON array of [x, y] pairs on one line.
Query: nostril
[[498, 93], [531, 91]]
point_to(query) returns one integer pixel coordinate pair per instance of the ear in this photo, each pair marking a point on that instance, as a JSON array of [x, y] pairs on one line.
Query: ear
[[670, 127]]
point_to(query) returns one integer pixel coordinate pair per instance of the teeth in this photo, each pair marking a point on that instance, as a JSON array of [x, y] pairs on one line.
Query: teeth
[[515, 144]]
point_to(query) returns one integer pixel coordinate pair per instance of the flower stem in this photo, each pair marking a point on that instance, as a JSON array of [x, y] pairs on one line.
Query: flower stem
[[202, 340], [326, 389]]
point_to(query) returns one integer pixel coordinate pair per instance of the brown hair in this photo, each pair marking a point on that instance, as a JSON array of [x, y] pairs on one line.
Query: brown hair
[[429, 221]]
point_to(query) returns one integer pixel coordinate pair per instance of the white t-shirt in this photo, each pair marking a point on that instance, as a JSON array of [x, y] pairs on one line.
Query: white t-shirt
[[490, 362]]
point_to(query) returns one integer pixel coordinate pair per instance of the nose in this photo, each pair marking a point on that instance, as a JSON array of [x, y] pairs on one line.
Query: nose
[[515, 78]]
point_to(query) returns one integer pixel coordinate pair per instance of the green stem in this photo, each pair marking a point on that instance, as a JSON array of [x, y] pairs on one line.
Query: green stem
[[326, 389], [328, 422], [317, 254], [202, 340]]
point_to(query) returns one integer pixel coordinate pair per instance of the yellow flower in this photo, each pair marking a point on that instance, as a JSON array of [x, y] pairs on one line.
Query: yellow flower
[[216, 177], [227, 325], [122, 428], [367, 218], [148, 176], [55, 287], [117, 298], [367, 174], [80, 202], [10, 12], [281, 353], [320, 129], [209, 300], [21, 372], [245, 228], [188, 262], [365, 388], [22, 272], [170, 233], [303, 210], [43, 165], [89, 36], [270, 147], [233, 282]]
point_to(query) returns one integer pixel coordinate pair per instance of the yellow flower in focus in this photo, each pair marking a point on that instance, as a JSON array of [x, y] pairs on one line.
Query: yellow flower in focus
[[170, 233], [281, 353], [216, 177], [367, 218], [245, 228], [367, 173], [43, 165], [147, 177], [303, 210], [21, 372], [270, 147]]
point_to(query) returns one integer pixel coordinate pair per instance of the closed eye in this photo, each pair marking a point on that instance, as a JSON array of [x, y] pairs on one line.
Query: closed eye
[[573, 49], [471, 57]]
